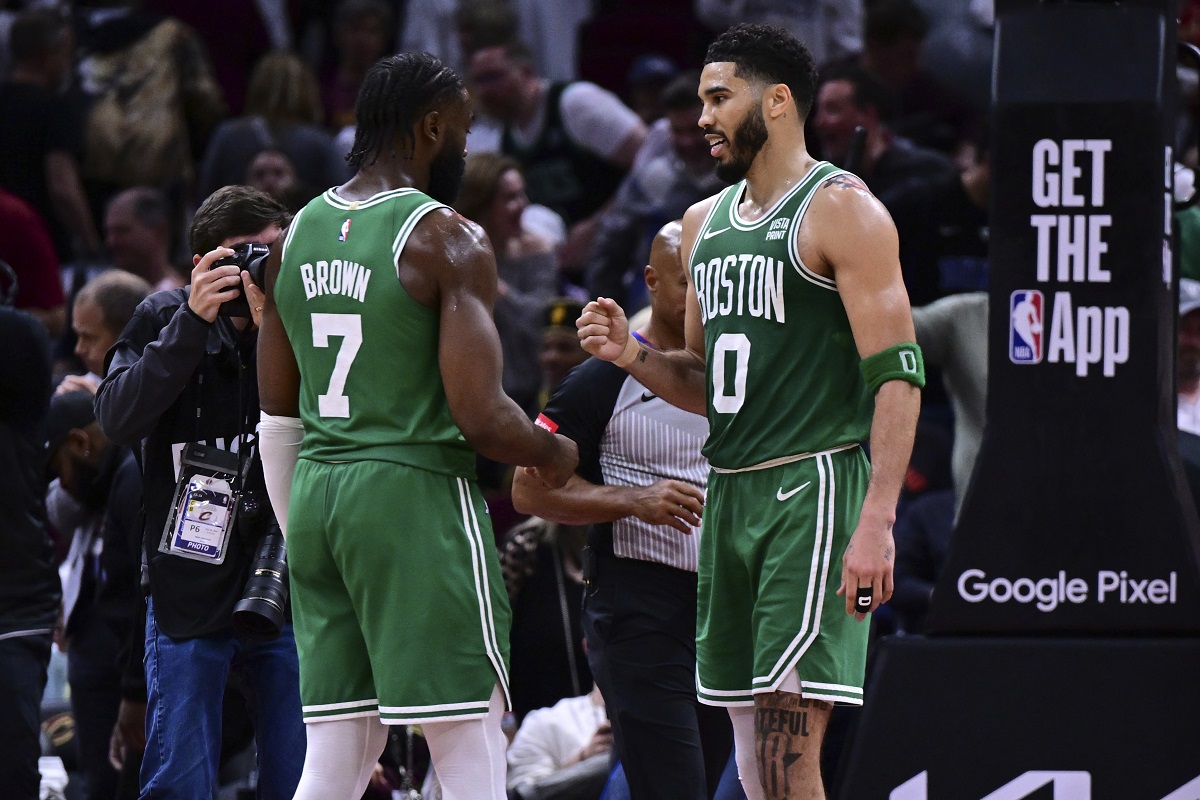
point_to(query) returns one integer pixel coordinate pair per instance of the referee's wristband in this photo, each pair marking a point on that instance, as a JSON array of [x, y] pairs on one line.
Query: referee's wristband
[[630, 353]]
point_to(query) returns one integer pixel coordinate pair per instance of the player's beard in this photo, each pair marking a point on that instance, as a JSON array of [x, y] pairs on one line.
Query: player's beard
[[445, 176], [747, 141]]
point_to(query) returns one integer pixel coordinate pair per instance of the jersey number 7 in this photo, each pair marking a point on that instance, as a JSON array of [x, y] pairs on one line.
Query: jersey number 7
[[335, 403]]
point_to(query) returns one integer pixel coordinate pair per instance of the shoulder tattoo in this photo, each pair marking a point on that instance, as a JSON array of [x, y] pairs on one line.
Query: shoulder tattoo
[[846, 181]]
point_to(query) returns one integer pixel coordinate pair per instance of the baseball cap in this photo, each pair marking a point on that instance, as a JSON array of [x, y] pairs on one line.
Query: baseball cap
[[1189, 296], [68, 412], [562, 313], [651, 67]]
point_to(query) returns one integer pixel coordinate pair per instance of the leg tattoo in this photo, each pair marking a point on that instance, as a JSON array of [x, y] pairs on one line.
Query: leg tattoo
[[788, 732]]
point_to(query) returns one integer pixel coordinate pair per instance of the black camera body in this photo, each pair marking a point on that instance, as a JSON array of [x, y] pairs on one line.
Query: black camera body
[[252, 257]]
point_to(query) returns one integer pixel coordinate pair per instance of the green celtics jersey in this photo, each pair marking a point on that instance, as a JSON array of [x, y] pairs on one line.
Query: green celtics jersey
[[370, 386], [782, 367]]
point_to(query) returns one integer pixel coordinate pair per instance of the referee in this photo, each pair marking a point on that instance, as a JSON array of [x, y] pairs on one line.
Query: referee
[[640, 488]]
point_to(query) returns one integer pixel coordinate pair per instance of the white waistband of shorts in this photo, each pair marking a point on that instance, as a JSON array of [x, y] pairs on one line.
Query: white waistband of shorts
[[776, 462]]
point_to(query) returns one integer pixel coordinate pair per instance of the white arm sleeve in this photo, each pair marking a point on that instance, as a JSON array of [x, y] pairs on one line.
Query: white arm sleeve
[[279, 443]]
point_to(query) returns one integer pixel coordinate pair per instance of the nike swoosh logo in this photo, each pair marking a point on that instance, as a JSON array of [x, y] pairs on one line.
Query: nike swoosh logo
[[782, 495], [710, 234], [647, 397]]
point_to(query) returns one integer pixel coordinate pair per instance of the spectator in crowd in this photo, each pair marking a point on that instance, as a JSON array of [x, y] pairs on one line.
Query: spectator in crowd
[[102, 309], [648, 76], [43, 126], [493, 195], [850, 97], [283, 114], [561, 752], [923, 530], [953, 333], [239, 32], [543, 572], [927, 113], [450, 28], [551, 29], [560, 351], [98, 503], [655, 192], [153, 101], [959, 48], [1188, 356], [831, 29], [182, 374], [1187, 376], [29, 585], [942, 221], [26, 247], [640, 488], [137, 233], [574, 140], [273, 173], [363, 32]]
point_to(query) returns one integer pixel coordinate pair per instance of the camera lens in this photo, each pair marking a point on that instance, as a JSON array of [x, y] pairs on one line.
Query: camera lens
[[261, 613]]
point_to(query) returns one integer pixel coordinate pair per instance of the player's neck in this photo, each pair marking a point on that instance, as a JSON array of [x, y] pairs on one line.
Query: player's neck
[[780, 165], [382, 176], [1189, 389]]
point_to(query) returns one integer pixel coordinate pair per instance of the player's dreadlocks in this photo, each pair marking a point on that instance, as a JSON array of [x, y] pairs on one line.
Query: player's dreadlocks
[[394, 94]]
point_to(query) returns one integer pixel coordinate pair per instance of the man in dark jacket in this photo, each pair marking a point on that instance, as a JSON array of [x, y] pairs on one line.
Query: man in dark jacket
[[182, 373], [29, 587]]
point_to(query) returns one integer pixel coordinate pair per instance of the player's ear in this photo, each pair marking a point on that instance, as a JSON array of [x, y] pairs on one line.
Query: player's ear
[[432, 126], [777, 99], [651, 276]]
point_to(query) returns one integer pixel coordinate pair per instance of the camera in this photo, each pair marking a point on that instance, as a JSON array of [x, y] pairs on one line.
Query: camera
[[262, 611], [252, 257]]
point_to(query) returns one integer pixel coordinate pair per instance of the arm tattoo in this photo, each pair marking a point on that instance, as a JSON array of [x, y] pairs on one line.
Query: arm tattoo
[[641, 356]]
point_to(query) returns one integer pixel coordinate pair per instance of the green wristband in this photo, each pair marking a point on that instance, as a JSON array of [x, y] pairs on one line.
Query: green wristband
[[901, 362]]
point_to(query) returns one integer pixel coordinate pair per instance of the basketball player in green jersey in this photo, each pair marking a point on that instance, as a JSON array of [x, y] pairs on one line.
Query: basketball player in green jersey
[[380, 379], [799, 346]]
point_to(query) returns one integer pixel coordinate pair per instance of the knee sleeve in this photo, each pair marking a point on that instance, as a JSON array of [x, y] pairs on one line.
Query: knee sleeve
[[742, 718]]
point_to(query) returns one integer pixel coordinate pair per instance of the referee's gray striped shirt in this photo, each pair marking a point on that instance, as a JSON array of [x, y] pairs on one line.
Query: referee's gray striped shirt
[[648, 440]]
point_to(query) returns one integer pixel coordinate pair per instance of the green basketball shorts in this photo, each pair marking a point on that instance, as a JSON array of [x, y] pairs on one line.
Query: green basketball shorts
[[398, 604], [770, 564]]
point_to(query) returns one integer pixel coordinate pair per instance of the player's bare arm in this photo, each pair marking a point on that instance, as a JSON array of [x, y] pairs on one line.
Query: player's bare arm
[[676, 376], [447, 264], [278, 375], [848, 235], [580, 502]]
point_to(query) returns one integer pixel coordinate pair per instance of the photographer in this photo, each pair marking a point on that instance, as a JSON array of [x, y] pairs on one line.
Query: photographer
[[181, 380]]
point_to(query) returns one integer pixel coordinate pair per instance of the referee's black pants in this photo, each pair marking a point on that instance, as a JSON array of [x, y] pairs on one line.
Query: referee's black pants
[[639, 619]]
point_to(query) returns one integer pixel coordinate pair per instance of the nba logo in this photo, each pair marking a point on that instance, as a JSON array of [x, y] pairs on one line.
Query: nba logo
[[1025, 326], [345, 230]]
